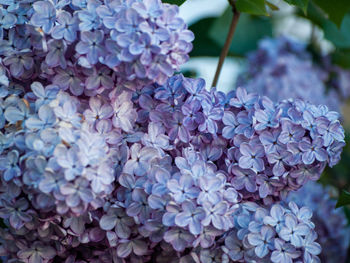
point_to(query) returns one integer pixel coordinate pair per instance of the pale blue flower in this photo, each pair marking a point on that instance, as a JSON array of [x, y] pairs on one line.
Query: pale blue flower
[[216, 215], [139, 163], [312, 248], [290, 133], [243, 99], [139, 206], [7, 20], [44, 15], [46, 118], [67, 78], [9, 165], [190, 216], [330, 131], [284, 252], [294, 231], [210, 189], [19, 63], [91, 45], [97, 111], [67, 27], [229, 119], [118, 219], [251, 157], [44, 95], [76, 193], [88, 18], [263, 241], [183, 189], [179, 238], [16, 212], [313, 150], [276, 218], [56, 55]]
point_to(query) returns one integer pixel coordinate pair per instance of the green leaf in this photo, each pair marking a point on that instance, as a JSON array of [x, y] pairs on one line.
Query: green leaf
[[272, 6], [344, 199], [299, 3], [250, 29], [347, 214], [203, 45], [340, 37], [341, 58], [253, 7], [315, 14], [174, 2], [335, 9]]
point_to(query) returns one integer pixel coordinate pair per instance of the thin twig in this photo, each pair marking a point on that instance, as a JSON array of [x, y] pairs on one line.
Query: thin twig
[[224, 52]]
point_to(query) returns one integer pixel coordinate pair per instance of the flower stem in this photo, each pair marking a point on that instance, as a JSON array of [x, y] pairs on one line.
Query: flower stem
[[224, 52]]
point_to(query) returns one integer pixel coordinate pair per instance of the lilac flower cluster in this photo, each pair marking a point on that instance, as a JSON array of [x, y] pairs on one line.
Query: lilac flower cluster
[[282, 68], [278, 233], [105, 156], [276, 149], [330, 224], [150, 175], [92, 46]]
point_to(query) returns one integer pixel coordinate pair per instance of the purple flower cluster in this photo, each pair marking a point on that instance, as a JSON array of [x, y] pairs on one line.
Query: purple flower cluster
[[106, 156], [330, 224], [277, 148], [278, 233], [162, 173], [282, 68], [92, 46]]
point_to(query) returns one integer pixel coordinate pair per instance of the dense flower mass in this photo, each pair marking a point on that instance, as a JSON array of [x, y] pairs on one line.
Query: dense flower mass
[[282, 68], [277, 233], [330, 224], [106, 156], [161, 170], [91, 46]]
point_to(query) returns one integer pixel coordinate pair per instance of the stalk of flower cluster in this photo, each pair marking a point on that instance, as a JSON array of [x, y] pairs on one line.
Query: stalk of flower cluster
[[224, 52]]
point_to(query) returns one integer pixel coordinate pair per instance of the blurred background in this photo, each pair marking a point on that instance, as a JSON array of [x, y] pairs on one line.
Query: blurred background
[[210, 24]]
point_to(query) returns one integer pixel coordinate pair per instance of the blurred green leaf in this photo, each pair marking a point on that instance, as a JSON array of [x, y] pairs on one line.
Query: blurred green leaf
[[203, 45], [174, 2], [253, 7], [189, 73], [347, 214], [344, 199], [272, 6], [315, 14], [340, 37], [249, 31], [335, 9], [299, 3], [342, 58]]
